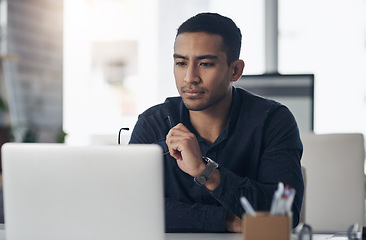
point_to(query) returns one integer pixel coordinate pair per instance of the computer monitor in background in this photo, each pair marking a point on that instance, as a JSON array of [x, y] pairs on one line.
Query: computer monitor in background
[[296, 91]]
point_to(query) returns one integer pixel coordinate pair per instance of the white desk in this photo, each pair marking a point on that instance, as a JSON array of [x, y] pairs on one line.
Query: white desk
[[211, 236], [204, 236], [228, 236]]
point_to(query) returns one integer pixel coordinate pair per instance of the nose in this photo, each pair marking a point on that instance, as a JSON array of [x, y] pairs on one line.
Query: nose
[[192, 75]]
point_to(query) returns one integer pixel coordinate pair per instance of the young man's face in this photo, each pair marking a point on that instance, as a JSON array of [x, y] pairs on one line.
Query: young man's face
[[201, 71]]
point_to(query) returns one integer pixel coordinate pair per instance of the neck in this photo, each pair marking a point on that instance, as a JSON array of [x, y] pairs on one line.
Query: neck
[[209, 123]]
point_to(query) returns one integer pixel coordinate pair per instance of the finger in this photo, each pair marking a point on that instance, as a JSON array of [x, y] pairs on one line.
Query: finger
[[179, 130], [179, 141], [181, 127], [176, 155], [174, 150]]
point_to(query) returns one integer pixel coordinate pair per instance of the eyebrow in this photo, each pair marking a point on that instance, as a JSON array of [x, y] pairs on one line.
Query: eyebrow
[[207, 56]]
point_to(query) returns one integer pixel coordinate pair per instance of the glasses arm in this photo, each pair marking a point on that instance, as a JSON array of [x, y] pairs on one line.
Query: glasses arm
[[119, 134]]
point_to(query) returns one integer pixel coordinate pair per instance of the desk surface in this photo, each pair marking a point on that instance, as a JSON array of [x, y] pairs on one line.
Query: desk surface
[[228, 236], [204, 236], [211, 236]]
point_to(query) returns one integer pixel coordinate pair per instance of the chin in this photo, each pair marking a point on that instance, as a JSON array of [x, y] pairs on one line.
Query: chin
[[195, 107]]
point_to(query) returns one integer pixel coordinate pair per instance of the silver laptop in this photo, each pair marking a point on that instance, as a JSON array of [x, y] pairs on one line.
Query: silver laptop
[[54, 191]]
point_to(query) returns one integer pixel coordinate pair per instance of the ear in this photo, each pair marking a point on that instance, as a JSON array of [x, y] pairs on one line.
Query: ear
[[237, 68]]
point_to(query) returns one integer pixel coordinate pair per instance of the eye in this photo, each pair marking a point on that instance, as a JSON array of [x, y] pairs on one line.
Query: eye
[[180, 64], [207, 64]]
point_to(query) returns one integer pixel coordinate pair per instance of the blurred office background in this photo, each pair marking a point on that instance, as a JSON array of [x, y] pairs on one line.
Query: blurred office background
[[89, 67], [118, 58]]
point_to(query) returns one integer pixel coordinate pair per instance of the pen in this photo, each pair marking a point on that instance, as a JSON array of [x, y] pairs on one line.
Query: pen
[[276, 198], [282, 200], [247, 207], [170, 122], [290, 200]]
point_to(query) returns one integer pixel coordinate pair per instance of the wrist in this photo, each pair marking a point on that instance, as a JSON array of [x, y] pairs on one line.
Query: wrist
[[208, 170], [214, 181], [200, 168]]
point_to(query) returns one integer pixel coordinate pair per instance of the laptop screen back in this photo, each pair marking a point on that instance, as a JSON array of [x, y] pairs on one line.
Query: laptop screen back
[[54, 191]]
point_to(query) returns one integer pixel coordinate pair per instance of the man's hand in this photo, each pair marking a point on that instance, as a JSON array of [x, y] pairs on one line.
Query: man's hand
[[233, 223], [184, 147]]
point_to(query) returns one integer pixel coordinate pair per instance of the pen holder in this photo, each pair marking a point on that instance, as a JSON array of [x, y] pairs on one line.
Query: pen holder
[[264, 226]]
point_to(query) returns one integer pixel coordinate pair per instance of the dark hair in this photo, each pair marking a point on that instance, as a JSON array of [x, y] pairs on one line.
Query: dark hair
[[215, 23]]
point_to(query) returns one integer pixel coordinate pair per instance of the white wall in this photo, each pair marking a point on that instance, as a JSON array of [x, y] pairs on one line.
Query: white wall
[[95, 110], [328, 38]]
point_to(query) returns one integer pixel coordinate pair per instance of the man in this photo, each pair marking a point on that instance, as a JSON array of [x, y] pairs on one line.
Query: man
[[220, 142]]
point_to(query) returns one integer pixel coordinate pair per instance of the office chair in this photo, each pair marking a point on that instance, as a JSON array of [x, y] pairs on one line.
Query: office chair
[[335, 181]]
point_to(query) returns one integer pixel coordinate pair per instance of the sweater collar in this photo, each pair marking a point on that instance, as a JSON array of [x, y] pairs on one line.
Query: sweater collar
[[233, 115]]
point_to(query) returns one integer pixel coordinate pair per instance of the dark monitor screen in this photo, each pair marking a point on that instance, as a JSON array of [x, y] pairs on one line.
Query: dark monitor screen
[[296, 91]]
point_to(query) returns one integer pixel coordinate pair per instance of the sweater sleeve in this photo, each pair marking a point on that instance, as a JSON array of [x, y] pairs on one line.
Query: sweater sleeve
[[279, 162], [184, 217]]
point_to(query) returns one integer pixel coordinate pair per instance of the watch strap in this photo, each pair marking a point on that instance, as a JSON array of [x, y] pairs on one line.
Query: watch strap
[[207, 172]]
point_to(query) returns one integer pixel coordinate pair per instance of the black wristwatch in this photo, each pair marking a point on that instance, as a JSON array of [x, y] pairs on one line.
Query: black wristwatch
[[207, 172]]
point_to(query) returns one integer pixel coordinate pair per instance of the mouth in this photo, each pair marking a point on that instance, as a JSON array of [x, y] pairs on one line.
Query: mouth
[[192, 93]]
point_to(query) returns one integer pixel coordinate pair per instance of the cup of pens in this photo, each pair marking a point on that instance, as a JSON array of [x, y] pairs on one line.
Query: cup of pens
[[273, 225]]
